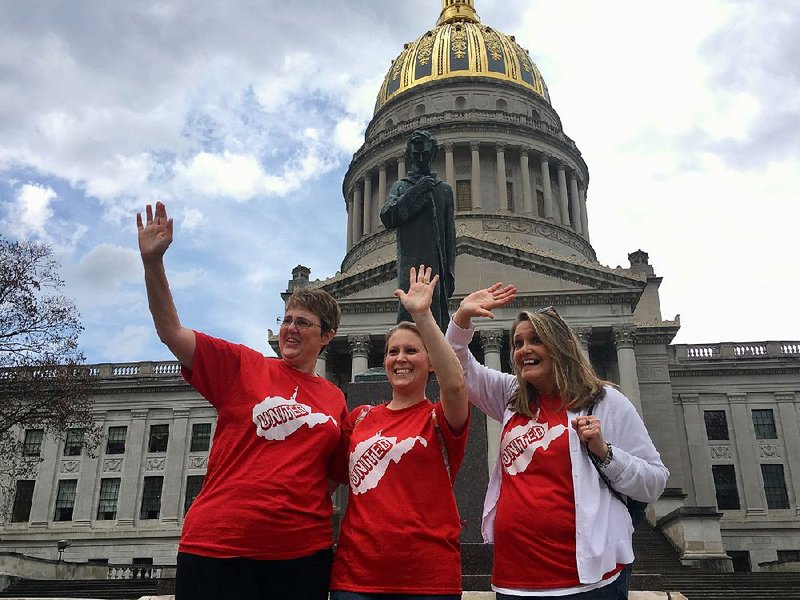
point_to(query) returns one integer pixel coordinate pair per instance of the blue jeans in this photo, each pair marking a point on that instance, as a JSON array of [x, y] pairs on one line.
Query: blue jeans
[[616, 590], [360, 596]]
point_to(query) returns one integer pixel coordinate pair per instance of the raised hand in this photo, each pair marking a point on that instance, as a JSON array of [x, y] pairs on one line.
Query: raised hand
[[481, 303], [420, 291], [155, 235]]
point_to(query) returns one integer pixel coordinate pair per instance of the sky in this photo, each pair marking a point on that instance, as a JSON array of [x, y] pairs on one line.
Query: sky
[[242, 116]]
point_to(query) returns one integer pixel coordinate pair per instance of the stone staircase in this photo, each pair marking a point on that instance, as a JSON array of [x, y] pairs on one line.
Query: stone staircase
[[658, 567], [101, 589]]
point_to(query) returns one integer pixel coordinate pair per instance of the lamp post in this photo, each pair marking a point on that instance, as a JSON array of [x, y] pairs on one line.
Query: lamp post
[[62, 545]]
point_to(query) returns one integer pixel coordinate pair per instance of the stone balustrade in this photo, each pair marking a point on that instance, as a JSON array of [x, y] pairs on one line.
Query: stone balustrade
[[171, 368], [737, 350]]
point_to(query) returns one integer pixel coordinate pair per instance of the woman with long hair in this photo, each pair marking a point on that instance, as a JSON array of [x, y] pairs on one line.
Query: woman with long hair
[[399, 536], [558, 528]]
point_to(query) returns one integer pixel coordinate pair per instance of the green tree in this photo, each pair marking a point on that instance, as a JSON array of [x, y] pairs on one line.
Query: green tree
[[43, 382]]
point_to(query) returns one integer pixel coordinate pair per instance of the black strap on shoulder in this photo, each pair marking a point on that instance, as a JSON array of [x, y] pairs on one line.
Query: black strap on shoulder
[[603, 476]]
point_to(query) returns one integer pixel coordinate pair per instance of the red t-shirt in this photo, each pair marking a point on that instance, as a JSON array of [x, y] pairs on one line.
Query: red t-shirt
[[265, 493], [535, 523], [400, 531]]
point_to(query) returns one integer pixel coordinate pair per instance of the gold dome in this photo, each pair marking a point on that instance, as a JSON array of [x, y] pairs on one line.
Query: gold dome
[[461, 46]]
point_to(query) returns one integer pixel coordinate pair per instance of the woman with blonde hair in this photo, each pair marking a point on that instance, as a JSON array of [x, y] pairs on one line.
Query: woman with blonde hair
[[399, 536], [558, 528]]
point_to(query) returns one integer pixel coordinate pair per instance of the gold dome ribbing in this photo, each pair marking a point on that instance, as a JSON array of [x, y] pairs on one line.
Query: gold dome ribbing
[[460, 46]]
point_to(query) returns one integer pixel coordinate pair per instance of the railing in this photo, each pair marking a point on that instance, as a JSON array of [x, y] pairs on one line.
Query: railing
[[736, 350], [134, 572], [149, 369]]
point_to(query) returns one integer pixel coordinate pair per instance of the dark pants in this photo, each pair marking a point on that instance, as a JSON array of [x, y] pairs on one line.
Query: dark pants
[[360, 596], [204, 578], [616, 590]]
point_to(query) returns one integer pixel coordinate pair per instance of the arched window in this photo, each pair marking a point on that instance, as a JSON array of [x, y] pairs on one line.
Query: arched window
[[419, 110], [461, 103], [502, 105], [389, 124]]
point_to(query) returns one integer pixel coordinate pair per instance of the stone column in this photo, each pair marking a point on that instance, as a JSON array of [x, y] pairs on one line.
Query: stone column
[[322, 362], [476, 175], [174, 470], [491, 343], [743, 436], [359, 350], [449, 165], [626, 358], [699, 451], [562, 194], [527, 198], [547, 190], [576, 204], [787, 416], [46, 487], [350, 205], [87, 483], [584, 215], [584, 334], [502, 193], [129, 487], [358, 220], [401, 166], [367, 204], [382, 192]]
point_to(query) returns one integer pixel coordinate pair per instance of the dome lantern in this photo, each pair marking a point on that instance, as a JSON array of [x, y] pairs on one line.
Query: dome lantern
[[458, 10]]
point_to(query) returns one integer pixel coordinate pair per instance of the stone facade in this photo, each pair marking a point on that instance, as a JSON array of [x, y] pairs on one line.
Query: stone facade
[[521, 190]]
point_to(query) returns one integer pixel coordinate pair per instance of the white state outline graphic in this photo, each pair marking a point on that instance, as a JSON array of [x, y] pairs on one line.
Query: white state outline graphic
[[523, 456], [285, 416], [375, 454]]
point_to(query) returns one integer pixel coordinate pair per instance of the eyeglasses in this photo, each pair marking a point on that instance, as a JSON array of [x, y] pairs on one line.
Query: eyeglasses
[[548, 309], [299, 322]]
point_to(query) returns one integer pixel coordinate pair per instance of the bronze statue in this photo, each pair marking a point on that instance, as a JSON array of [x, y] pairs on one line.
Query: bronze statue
[[420, 206]]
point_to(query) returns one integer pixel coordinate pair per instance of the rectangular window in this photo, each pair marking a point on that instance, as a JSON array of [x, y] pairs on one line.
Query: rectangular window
[[33, 442], [716, 424], [464, 195], [65, 499], [23, 499], [116, 440], [193, 485], [109, 494], [74, 442], [510, 196], [97, 561], [201, 437], [540, 203], [740, 560], [775, 486], [725, 485], [764, 424], [159, 435], [788, 555], [151, 498]]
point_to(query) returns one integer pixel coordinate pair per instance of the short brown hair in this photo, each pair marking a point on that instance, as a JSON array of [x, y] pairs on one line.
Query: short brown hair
[[577, 383], [319, 302]]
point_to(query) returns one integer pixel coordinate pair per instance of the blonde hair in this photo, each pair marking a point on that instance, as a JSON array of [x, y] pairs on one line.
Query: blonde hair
[[576, 382], [402, 325]]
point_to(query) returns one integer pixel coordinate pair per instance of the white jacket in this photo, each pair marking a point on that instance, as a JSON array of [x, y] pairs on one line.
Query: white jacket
[[602, 525]]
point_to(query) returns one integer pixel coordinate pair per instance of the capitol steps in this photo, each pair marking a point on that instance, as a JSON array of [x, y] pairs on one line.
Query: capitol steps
[[101, 589]]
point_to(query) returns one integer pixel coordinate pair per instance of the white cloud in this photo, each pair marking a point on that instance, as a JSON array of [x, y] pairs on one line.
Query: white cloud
[[130, 344], [236, 176], [31, 212]]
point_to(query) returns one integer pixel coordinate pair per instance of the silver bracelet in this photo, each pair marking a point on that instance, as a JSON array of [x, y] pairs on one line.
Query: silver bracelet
[[607, 461]]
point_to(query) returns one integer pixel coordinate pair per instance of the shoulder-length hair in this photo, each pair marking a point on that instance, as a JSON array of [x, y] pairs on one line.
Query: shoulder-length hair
[[576, 381]]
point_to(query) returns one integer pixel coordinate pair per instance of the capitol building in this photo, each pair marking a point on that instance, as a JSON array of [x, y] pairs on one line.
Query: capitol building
[[725, 416]]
